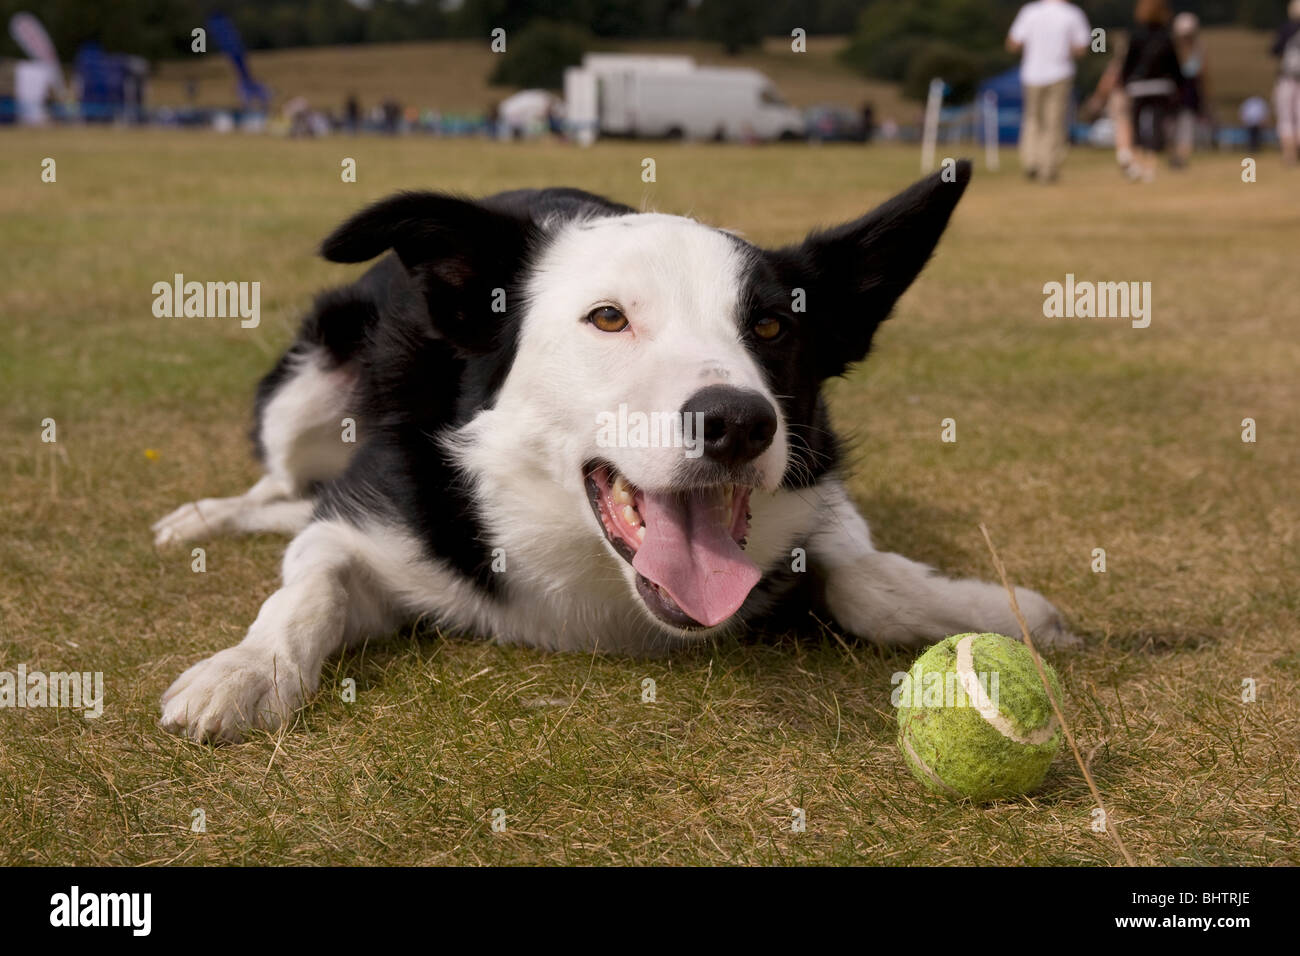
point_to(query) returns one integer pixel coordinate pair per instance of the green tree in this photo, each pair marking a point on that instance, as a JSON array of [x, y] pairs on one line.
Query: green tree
[[537, 55], [732, 23], [959, 69]]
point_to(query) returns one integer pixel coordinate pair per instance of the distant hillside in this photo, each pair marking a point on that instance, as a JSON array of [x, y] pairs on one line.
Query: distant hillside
[[451, 75], [1239, 66]]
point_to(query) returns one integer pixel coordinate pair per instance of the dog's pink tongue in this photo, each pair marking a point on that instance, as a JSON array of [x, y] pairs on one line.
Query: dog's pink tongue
[[689, 552]]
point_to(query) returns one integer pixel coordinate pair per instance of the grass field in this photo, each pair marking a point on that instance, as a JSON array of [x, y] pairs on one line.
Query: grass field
[[1072, 435]]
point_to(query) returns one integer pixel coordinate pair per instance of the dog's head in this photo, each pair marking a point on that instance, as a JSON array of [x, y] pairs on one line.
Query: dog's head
[[649, 382]]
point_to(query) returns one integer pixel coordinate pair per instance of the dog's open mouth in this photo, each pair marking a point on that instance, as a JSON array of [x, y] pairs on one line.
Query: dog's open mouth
[[688, 548]]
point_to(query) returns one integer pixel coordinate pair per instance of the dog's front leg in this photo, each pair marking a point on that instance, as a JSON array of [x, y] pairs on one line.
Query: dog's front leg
[[327, 601], [890, 599]]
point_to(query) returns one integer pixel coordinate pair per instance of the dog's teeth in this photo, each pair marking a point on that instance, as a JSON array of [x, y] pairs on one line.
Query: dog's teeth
[[640, 532], [630, 515], [621, 493]]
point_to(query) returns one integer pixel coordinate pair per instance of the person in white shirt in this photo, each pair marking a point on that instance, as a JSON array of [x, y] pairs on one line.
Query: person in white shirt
[[1051, 34]]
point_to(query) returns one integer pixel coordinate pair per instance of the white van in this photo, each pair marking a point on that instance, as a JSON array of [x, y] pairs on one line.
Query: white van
[[643, 97]]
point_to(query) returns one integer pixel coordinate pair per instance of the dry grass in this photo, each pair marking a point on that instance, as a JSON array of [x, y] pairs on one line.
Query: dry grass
[[1071, 435]]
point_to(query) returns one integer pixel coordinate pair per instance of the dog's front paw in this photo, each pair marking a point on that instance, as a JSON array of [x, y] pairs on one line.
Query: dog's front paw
[[1046, 625], [220, 699], [187, 523]]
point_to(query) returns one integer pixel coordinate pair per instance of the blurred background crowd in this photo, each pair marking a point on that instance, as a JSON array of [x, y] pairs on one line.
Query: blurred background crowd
[[1144, 78]]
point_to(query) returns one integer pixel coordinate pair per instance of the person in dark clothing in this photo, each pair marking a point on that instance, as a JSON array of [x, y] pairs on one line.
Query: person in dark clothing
[[352, 113], [868, 121], [1194, 107], [1154, 82]]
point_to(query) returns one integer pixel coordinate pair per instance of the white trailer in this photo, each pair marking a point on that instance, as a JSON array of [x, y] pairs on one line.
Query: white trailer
[[671, 97]]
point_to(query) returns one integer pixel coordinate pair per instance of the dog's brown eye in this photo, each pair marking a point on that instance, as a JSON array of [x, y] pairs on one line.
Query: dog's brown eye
[[768, 328], [608, 319]]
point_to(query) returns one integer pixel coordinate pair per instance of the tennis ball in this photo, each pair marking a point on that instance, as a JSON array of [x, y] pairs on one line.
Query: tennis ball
[[974, 720]]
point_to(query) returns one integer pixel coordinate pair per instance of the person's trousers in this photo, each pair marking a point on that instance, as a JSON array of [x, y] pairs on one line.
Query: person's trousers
[[1286, 107], [1151, 116], [1042, 127]]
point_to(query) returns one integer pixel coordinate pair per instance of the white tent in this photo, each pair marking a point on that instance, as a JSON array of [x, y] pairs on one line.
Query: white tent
[[527, 113], [33, 83]]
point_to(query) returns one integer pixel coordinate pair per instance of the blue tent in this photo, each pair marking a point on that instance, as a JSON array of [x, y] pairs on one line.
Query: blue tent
[[1006, 87], [112, 84], [1011, 103]]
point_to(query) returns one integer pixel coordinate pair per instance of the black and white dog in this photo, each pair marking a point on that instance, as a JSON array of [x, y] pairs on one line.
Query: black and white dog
[[476, 365]]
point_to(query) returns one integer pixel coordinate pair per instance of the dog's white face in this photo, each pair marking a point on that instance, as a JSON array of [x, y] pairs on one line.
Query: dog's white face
[[632, 353]]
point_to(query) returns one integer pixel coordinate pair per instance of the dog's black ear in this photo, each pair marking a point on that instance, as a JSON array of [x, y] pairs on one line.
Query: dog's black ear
[[461, 254], [854, 273]]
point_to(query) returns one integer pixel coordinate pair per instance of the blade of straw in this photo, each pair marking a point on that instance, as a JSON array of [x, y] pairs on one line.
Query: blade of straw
[[1056, 707]]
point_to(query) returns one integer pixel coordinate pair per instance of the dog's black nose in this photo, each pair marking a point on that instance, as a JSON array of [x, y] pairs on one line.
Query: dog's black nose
[[737, 423]]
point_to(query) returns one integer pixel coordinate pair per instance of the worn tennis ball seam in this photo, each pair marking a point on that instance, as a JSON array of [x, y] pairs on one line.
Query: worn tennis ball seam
[[987, 709]]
